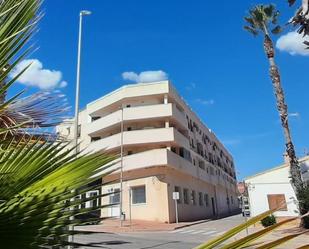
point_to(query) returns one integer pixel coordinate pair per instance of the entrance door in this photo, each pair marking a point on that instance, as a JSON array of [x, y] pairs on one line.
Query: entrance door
[[213, 206], [114, 198]]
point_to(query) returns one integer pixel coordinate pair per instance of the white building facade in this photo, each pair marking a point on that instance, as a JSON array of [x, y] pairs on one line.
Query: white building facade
[[272, 188], [166, 149]]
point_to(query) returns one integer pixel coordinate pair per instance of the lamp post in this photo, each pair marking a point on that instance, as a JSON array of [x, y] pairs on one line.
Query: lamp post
[[121, 168], [81, 14]]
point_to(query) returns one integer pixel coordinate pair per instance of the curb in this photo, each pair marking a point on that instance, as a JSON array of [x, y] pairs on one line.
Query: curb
[[191, 224]]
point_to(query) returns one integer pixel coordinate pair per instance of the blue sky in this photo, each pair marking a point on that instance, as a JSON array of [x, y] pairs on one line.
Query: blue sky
[[219, 69]]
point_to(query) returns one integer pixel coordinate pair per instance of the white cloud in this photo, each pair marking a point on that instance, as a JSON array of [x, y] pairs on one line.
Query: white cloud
[[146, 76], [292, 43], [205, 101], [36, 75], [190, 87]]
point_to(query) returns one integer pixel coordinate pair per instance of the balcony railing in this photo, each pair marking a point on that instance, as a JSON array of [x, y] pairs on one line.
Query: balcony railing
[[140, 137], [136, 113]]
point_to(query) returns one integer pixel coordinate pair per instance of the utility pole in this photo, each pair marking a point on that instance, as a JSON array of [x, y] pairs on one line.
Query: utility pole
[[81, 14], [121, 169]]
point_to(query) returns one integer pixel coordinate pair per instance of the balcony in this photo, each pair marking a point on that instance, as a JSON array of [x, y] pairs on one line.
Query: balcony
[[141, 138], [136, 113], [165, 157], [156, 157]]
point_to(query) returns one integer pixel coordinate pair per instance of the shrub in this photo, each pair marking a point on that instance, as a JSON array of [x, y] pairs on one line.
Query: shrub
[[268, 221]]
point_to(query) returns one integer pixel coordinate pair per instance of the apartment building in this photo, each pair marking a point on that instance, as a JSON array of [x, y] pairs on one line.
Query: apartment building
[[166, 149]]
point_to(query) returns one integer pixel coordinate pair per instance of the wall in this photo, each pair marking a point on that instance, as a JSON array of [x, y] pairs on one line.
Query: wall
[[189, 212], [156, 207], [275, 181]]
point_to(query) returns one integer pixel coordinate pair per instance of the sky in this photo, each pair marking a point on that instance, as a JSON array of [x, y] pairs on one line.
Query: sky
[[200, 46]]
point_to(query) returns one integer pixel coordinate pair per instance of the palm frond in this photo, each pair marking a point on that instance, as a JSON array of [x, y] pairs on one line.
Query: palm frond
[[41, 180], [229, 234], [269, 11], [251, 30], [281, 241], [262, 18], [276, 30]]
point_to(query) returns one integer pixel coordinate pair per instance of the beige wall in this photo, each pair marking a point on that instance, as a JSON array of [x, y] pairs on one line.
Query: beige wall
[[160, 183], [190, 211], [156, 206]]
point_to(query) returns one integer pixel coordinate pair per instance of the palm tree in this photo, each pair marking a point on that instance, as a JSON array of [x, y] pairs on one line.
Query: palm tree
[[263, 19], [301, 18], [41, 179]]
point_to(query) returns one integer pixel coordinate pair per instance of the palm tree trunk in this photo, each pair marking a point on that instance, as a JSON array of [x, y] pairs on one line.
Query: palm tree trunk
[[295, 171]]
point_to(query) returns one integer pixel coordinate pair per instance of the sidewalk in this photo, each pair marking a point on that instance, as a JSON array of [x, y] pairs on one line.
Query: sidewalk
[[285, 230], [113, 226]]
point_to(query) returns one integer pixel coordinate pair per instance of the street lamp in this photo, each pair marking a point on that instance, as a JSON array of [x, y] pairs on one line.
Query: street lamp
[[81, 14]]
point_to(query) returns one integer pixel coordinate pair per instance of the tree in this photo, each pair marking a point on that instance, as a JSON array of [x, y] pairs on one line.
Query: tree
[[301, 18], [263, 19], [40, 178]]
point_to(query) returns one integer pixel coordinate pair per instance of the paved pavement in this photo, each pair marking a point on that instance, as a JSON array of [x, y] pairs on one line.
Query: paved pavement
[[184, 238]]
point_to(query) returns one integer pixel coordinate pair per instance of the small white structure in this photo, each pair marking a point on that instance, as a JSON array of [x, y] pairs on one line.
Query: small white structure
[[271, 189]]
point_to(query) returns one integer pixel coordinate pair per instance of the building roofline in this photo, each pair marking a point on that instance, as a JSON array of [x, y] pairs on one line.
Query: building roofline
[[305, 158], [125, 87]]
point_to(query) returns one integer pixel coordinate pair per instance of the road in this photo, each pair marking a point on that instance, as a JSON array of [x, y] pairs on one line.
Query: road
[[185, 238]]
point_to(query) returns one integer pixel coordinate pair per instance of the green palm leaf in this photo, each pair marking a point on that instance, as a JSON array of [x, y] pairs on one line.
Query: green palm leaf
[[280, 241]]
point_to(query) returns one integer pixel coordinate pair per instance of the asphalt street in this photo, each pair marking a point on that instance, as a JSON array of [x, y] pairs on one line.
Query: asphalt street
[[184, 238]]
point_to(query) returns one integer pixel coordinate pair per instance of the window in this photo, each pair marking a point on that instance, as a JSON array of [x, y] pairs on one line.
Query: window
[[201, 164], [173, 149], [181, 152], [276, 201], [138, 195], [232, 199], [94, 202], [114, 198], [193, 197], [200, 198], [206, 199], [186, 196], [94, 118], [212, 171], [177, 189], [95, 139]]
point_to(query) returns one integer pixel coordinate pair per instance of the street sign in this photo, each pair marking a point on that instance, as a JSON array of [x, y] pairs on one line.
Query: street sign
[[175, 198], [175, 195]]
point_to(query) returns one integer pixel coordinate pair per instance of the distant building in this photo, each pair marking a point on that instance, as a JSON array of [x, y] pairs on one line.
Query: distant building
[[167, 149], [272, 188]]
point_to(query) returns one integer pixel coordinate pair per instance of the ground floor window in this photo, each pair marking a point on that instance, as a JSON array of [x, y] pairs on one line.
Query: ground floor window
[[138, 195], [186, 196], [114, 198], [206, 198], [193, 197], [200, 198]]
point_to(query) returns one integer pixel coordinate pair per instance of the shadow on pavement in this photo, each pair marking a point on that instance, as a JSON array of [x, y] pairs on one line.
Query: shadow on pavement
[[101, 244], [162, 244]]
